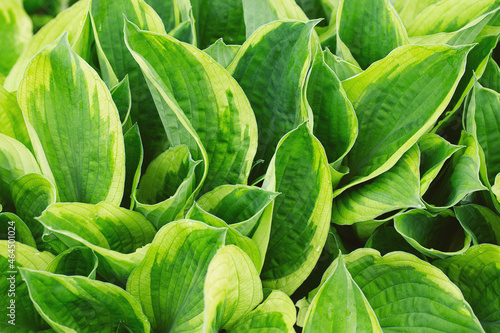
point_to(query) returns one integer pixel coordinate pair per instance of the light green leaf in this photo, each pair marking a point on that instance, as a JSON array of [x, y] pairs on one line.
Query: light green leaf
[[340, 67], [459, 176], [368, 30], [481, 222], [261, 12], [219, 18], [276, 314], [409, 9], [335, 122], [78, 304], [76, 117], [115, 234], [222, 53], [340, 306], [167, 188], [77, 260], [436, 18], [32, 194], [477, 274], [271, 67], [168, 12], [232, 289], [408, 294], [200, 104], [436, 236], [301, 216], [169, 282], [491, 76], [134, 156], [12, 225], [434, 152], [121, 95], [20, 255], [11, 118], [75, 21], [398, 188], [15, 33], [496, 187], [425, 77]]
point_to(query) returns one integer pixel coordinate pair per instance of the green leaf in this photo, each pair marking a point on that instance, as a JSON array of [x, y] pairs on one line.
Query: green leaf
[[491, 76], [434, 152], [232, 289], [261, 12], [408, 294], [340, 306], [477, 275], [222, 53], [481, 222], [409, 9], [459, 176], [134, 156], [15, 33], [219, 18], [496, 187], [398, 188], [76, 118], [115, 234], [386, 239], [340, 67], [13, 225], [200, 104], [368, 31], [75, 21], [78, 304], [301, 216], [121, 95], [75, 261], [167, 188], [426, 77], [436, 236], [335, 122], [275, 315], [436, 18], [271, 67], [32, 194], [25, 315], [168, 12], [11, 118], [169, 282]]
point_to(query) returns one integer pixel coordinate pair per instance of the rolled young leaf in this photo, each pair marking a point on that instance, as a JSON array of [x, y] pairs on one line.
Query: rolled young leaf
[[80, 137]]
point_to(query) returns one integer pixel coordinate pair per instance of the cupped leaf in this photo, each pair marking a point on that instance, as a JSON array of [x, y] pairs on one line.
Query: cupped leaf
[[13, 225], [396, 100], [11, 118], [276, 314], [77, 260], [169, 282], [436, 18], [122, 96], [76, 125], [340, 67], [459, 176], [78, 304], [232, 289], [271, 67], [491, 76], [368, 31], [75, 21], [434, 152], [481, 222], [134, 156], [222, 53], [477, 274], [436, 236], [115, 234], [200, 105], [335, 122], [408, 294], [398, 188], [261, 12], [166, 190], [340, 306], [386, 239], [301, 216], [14, 255]]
